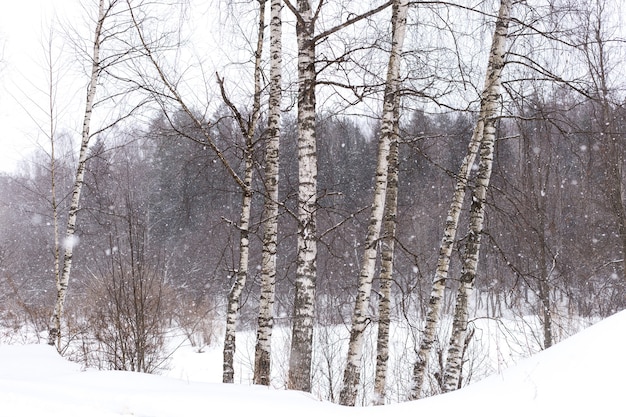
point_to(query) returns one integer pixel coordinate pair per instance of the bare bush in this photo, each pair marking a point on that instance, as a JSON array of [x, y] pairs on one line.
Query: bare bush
[[129, 315]]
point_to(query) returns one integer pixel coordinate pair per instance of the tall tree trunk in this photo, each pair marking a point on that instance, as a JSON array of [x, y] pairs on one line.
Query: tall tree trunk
[[454, 360], [234, 296], [300, 357], [538, 178], [53, 167], [386, 273], [544, 283], [352, 371], [248, 129], [262, 355], [489, 106], [62, 280], [616, 191], [443, 263]]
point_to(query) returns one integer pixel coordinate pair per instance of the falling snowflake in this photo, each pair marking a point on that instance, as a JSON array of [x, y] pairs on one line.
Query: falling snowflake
[[70, 241]]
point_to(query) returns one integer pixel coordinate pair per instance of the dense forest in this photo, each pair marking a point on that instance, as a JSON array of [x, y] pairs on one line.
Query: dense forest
[[160, 220]]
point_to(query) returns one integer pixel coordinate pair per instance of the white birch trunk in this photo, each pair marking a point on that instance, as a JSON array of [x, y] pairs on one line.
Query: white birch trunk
[[489, 106], [443, 263], [352, 371], [54, 335], [248, 130], [300, 358], [386, 275], [234, 296], [53, 170], [454, 361], [262, 356]]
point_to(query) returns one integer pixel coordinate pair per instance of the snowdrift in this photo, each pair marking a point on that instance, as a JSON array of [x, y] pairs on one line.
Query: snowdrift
[[580, 376]]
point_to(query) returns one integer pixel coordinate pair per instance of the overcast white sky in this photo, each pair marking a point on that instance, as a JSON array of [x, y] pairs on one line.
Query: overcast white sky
[[21, 71], [24, 29]]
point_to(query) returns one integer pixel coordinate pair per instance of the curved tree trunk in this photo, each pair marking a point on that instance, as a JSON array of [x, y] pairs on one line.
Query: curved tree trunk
[[262, 355], [234, 296], [454, 361], [62, 280], [391, 102], [488, 110], [248, 129], [443, 264]]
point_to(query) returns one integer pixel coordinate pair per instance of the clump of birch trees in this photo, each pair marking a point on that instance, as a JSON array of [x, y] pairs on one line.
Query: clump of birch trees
[[333, 94]]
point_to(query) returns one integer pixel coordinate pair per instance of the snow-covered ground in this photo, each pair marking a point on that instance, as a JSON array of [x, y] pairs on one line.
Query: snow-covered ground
[[581, 376]]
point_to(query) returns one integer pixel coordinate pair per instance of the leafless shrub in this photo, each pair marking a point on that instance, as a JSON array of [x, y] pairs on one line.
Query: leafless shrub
[[130, 309]]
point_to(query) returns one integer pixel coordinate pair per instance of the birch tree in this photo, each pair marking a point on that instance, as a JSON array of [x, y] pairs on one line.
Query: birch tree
[[391, 102], [262, 356], [304, 304], [165, 91], [301, 352], [490, 100], [52, 137], [248, 130], [454, 360], [69, 241], [386, 272]]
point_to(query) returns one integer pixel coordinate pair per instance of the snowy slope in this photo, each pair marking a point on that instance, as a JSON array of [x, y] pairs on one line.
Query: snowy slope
[[582, 376]]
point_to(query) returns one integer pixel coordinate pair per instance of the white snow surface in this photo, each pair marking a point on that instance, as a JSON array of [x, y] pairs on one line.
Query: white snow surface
[[581, 376]]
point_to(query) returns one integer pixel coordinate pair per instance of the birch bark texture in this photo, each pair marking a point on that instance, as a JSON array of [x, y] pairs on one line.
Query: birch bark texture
[[69, 241], [454, 360], [300, 358], [386, 273], [262, 354], [391, 102], [490, 101], [52, 91], [248, 130]]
